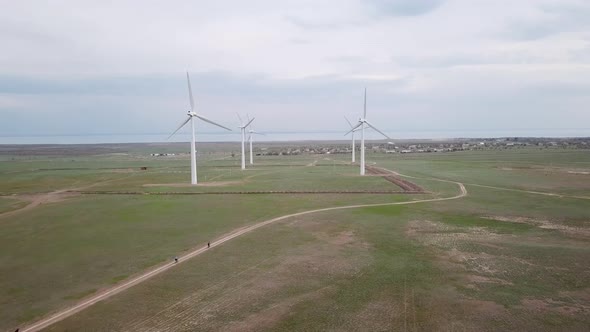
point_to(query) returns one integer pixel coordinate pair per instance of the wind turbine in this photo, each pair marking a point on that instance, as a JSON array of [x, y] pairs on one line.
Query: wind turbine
[[353, 143], [191, 118], [361, 124], [251, 133], [243, 129]]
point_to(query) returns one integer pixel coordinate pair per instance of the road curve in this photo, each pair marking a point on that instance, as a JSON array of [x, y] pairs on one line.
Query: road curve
[[56, 317]]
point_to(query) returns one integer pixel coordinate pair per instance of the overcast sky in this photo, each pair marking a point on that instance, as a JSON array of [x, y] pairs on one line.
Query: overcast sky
[[114, 67]]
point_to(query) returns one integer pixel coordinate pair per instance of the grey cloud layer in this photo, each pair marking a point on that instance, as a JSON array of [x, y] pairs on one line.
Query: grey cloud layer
[[404, 7], [553, 19], [453, 64]]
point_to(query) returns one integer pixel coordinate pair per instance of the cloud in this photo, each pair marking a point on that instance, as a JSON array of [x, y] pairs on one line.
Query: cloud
[[366, 11], [403, 7], [306, 23], [550, 19], [119, 66], [93, 86]]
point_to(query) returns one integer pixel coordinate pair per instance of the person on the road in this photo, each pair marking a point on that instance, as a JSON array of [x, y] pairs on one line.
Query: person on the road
[[175, 259], [208, 244]]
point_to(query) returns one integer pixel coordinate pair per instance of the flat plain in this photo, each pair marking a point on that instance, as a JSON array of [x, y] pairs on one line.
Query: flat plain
[[510, 255]]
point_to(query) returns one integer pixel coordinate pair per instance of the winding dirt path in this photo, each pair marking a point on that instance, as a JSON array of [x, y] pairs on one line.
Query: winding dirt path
[[36, 200], [544, 193], [56, 317], [52, 197]]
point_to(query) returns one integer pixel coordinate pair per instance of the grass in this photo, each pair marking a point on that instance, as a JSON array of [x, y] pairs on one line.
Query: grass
[[300, 178], [105, 174], [493, 260], [490, 202], [86, 243], [303, 276], [9, 204], [528, 169]]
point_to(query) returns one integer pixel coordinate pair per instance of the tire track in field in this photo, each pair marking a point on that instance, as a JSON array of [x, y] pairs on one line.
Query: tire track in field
[[53, 197], [544, 193], [58, 316], [166, 320], [34, 202]]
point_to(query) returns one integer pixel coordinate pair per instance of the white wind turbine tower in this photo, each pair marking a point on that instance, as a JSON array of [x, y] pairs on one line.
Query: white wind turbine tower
[[191, 118], [251, 133], [353, 142], [243, 129], [361, 125]]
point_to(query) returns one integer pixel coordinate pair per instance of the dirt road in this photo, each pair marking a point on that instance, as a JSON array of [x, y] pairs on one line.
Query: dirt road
[[56, 317], [52, 197], [544, 193], [36, 200]]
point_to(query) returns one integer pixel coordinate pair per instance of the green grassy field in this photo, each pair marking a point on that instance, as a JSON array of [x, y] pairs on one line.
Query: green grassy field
[[558, 171], [9, 204], [496, 259]]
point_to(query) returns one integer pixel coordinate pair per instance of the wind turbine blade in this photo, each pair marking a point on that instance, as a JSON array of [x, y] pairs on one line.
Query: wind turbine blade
[[252, 126], [182, 125], [365, 108], [258, 133], [370, 125], [190, 92], [211, 122], [249, 122], [239, 117], [349, 123], [353, 128]]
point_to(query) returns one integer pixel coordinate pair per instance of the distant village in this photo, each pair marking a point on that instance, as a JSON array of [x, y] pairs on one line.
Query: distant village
[[406, 146], [416, 146]]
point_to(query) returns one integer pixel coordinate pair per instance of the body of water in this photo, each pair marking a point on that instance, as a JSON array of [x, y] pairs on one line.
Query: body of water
[[287, 136]]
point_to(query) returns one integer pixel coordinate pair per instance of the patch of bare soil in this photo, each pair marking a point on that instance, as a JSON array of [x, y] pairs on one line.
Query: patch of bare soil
[[263, 295], [449, 310], [270, 316], [394, 178], [314, 163], [545, 224], [579, 172], [451, 245], [38, 199], [477, 270], [563, 170], [478, 279], [202, 184], [380, 315], [123, 170], [547, 305], [331, 233], [341, 239], [445, 236], [546, 169]]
